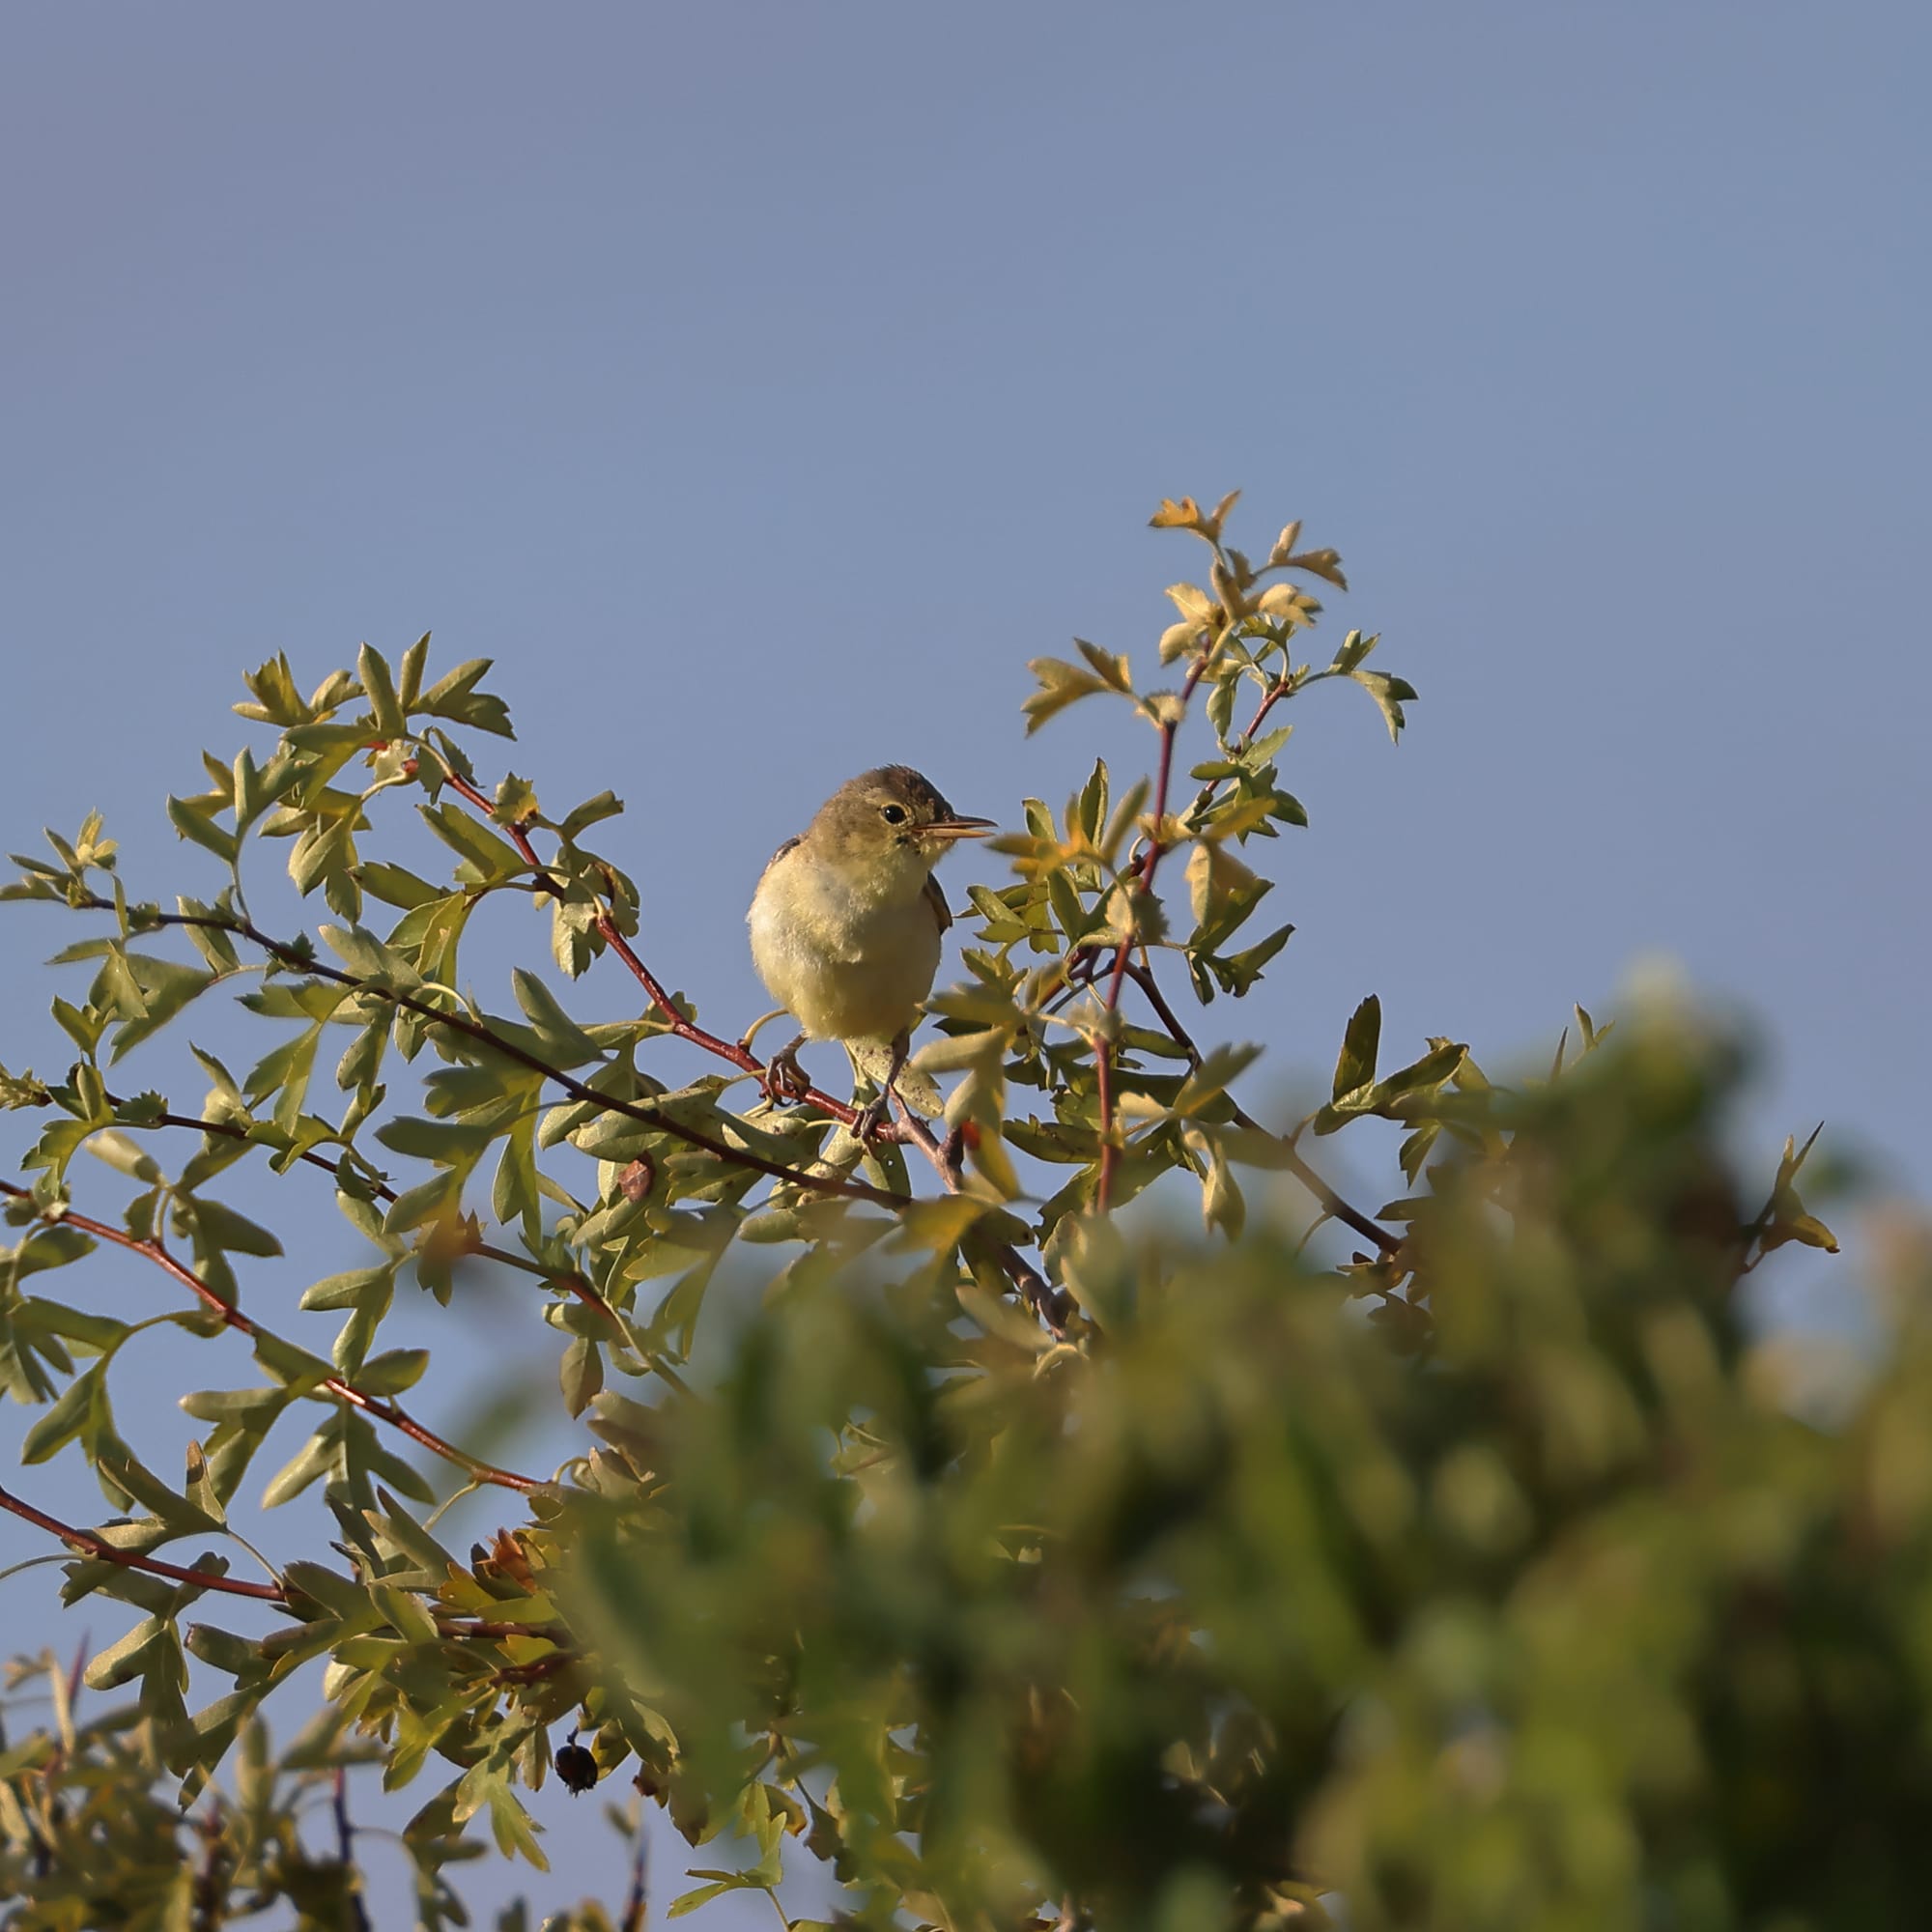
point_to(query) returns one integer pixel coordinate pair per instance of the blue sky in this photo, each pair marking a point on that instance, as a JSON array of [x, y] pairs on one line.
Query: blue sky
[[761, 386]]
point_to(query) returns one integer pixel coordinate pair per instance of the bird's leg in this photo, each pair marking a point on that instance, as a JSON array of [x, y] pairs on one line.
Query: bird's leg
[[783, 1079], [873, 1115]]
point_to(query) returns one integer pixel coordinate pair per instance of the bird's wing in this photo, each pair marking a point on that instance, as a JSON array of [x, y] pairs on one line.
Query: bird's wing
[[936, 900], [790, 845]]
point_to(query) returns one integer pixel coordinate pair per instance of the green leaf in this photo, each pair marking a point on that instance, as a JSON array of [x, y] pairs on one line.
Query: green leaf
[[285, 1071], [1356, 1067], [457, 698], [606, 805], [487, 859], [1355, 648], [225, 1228], [92, 1334], [1240, 971], [1110, 668], [515, 1195], [360, 1063], [120, 1663], [395, 885], [358, 1288], [392, 1373], [315, 1458], [689, 1901], [1422, 1076], [581, 1374], [1390, 695], [292, 1367], [408, 679], [83, 1027], [277, 699], [1805, 1229], [325, 851], [373, 672], [1061, 684], [195, 821], [121, 1151], [81, 1410], [339, 1595], [368, 958], [515, 802], [565, 1042], [1222, 1065], [447, 1143]]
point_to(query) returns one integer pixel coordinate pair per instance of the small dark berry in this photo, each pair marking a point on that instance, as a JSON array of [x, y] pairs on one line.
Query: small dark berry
[[577, 1768]]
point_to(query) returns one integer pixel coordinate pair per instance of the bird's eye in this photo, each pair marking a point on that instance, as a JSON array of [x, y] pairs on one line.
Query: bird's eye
[[893, 815]]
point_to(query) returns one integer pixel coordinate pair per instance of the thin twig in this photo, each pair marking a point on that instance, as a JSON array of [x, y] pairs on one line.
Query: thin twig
[[1045, 1301], [637, 1907], [345, 1392], [567, 1279], [1332, 1203], [91, 1544], [345, 1849], [210, 1901], [735, 1051], [1149, 862], [911, 1130], [475, 1029]]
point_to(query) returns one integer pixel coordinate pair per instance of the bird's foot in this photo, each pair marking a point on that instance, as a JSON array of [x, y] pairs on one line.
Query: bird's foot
[[784, 1080], [871, 1117]]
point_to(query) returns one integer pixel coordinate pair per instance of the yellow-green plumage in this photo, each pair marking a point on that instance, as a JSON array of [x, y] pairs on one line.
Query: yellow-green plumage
[[847, 920]]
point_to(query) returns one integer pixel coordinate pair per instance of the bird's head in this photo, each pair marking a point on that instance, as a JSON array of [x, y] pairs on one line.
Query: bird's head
[[894, 820]]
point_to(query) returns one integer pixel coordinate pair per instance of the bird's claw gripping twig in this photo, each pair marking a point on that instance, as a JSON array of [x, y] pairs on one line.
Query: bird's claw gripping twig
[[783, 1079], [872, 1115]]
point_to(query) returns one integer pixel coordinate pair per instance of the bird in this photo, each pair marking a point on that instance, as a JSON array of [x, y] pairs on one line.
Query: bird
[[847, 920]]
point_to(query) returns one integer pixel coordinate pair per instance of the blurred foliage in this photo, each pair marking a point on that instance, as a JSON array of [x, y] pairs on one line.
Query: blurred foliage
[[1015, 1565]]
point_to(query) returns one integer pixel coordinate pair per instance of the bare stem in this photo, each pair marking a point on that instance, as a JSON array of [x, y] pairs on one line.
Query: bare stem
[[345, 1392], [345, 1849], [475, 1029], [90, 1545], [637, 1907], [1149, 862], [1045, 1301], [567, 1279], [681, 1028], [910, 1131], [1332, 1203]]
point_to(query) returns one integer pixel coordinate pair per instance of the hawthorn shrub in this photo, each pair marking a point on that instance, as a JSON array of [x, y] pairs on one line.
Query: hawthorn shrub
[[1012, 1563]]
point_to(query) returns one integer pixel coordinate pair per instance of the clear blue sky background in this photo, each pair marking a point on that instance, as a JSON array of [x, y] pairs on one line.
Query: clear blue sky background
[[761, 386]]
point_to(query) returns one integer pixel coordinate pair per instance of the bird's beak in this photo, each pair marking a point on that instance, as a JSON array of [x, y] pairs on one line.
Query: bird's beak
[[960, 828]]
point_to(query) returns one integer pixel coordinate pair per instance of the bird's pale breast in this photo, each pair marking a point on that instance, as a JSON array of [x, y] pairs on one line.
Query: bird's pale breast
[[845, 966]]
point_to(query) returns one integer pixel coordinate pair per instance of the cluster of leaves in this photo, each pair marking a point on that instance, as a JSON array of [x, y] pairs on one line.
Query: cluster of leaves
[[1573, 1624], [797, 1607]]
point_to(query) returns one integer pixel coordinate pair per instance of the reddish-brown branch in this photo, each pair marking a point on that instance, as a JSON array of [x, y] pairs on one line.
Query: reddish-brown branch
[[1274, 694], [88, 1543], [1143, 869], [735, 1051], [345, 1852], [569, 1280], [1040, 1295], [345, 1392], [1332, 1203], [475, 1029], [127, 1559], [1148, 865]]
